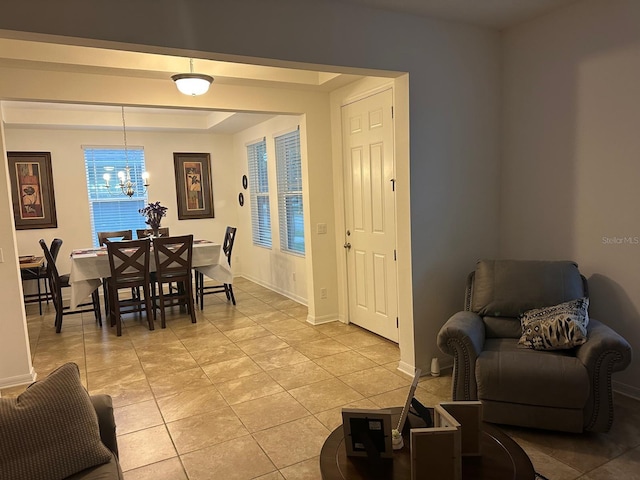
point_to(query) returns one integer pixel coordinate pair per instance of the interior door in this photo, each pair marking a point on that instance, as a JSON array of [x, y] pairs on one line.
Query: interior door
[[367, 127]]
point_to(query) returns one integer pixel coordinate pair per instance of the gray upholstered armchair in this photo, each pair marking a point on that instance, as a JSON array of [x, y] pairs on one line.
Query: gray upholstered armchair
[[568, 390]]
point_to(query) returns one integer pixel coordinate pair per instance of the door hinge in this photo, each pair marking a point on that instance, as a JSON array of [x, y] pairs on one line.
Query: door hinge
[[395, 256], [393, 184], [397, 323], [392, 111]]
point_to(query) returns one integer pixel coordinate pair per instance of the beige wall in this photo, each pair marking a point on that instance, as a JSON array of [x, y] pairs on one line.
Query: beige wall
[[74, 223], [570, 167], [454, 75], [15, 352], [279, 271]]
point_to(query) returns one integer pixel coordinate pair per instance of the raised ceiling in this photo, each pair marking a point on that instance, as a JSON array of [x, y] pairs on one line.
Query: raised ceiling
[[498, 14], [36, 55]]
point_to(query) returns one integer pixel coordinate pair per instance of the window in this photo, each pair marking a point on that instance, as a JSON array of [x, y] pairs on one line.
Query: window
[[110, 209], [289, 169], [259, 193]]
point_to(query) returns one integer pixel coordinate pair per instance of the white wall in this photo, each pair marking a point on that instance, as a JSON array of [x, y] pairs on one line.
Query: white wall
[[570, 166], [454, 80], [282, 272], [15, 353]]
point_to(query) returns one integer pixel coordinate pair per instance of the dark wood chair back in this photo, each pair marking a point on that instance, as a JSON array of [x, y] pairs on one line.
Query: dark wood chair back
[[58, 282], [129, 265], [174, 260], [103, 237], [147, 232], [226, 288], [229, 238]]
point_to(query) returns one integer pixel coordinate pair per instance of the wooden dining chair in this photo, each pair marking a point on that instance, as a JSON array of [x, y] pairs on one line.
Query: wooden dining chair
[[38, 274], [174, 260], [103, 239], [129, 265], [57, 282], [147, 232], [226, 288]]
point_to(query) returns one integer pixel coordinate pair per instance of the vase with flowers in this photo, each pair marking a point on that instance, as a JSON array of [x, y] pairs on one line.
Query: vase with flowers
[[153, 212]]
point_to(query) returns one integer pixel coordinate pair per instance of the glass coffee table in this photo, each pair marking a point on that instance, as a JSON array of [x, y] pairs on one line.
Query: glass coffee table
[[502, 459]]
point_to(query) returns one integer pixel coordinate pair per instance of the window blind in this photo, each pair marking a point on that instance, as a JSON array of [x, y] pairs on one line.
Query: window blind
[[110, 209], [289, 173], [259, 193]]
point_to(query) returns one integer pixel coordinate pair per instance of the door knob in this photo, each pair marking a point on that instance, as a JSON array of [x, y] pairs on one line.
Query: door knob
[[347, 245]]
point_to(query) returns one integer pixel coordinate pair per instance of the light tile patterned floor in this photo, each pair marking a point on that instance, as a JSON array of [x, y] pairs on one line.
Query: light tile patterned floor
[[252, 391]]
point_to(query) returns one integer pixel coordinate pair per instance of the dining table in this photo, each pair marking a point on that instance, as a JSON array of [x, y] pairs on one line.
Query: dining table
[[90, 265]]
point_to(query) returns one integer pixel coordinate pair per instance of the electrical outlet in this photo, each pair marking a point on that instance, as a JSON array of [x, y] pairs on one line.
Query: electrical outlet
[[323, 293], [321, 228]]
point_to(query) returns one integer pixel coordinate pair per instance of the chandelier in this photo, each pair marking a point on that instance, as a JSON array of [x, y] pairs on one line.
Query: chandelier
[[125, 184], [192, 83]]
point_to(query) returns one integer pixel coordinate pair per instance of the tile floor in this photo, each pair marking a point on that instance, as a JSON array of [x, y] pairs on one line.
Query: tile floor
[[252, 391]]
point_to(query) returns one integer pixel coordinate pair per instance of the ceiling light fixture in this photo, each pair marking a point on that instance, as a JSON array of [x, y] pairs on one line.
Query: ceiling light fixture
[[125, 183], [192, 83]]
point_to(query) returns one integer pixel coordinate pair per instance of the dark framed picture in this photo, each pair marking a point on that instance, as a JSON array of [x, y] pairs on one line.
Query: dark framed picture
[[367, 433], [34, 204], [193, 185]]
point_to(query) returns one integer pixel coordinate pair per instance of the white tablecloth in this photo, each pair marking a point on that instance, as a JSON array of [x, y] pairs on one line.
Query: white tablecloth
[[90, 266]]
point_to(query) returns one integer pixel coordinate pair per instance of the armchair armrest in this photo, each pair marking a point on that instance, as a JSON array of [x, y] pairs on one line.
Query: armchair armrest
[[104, 409], [605, 352], [463, 337]]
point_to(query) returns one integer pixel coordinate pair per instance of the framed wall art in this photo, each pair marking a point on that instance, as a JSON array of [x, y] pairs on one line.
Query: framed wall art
[[193, 185], [34, 204]]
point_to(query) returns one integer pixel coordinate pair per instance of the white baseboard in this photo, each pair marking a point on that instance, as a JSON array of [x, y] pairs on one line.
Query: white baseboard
[[275, 288], [18, 380], [407, 369], [320, 320]]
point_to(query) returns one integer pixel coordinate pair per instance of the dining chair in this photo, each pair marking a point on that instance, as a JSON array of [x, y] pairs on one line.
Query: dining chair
[[173, 256], [226, 288], [57, 282], [147, 232], [38, 274], [129, 265], [103, 239]]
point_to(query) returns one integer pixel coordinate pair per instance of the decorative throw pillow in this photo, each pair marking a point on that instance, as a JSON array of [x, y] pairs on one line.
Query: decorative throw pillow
[[555, 328], [50, 431]]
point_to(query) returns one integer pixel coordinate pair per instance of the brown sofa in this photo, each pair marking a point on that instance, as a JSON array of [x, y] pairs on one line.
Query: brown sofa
[[110, 470], [567, 390], [54, 430]]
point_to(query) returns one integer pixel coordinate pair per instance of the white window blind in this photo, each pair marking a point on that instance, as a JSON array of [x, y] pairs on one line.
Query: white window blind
[[289, 171], [110, 209], [259, 193]]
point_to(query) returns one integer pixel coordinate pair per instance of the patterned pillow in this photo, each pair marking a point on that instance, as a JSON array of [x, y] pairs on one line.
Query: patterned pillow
[[50, 431], [558, 327]]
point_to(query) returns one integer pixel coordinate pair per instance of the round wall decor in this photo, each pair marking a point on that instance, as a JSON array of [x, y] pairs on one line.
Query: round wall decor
[[241, 199], [245, 182]]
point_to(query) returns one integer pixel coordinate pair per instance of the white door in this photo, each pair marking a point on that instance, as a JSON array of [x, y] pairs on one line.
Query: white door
[[367, 130]]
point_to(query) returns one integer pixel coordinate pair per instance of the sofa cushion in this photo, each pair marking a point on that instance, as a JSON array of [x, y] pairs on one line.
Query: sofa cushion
[[50, 431], [554, 328], [506, 373], [502, 327], [507, 288]]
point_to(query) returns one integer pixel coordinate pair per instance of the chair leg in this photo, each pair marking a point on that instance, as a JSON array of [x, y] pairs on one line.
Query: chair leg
[[201, 293], [39, 296], [228, 288], [149, 301], [191, 308], [95, 297]]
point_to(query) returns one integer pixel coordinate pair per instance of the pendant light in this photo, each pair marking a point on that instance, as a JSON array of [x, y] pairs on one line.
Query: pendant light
[[126, 185], [192, 83]]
